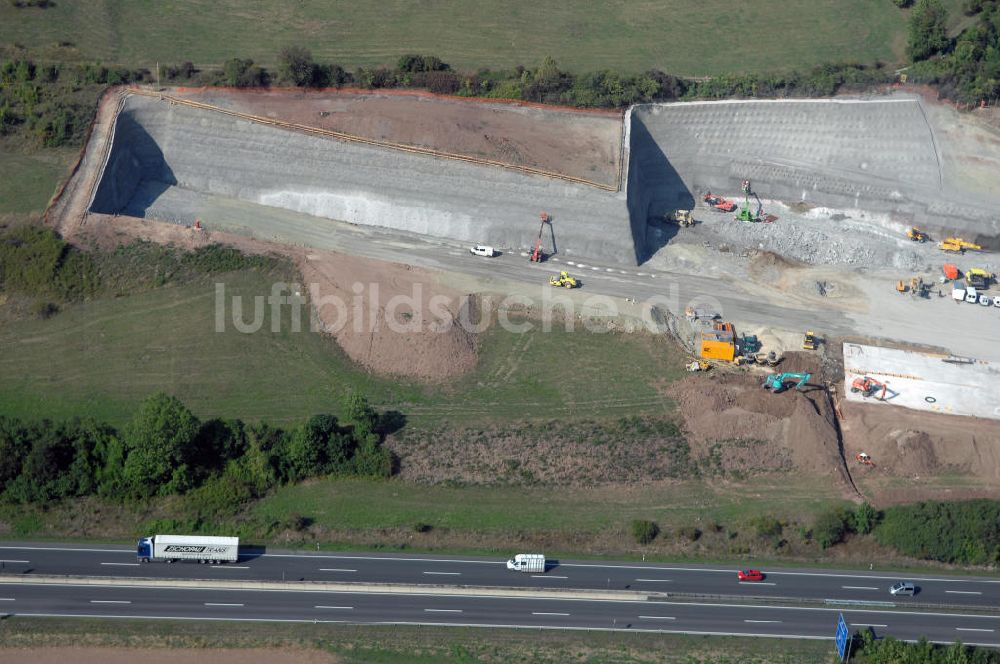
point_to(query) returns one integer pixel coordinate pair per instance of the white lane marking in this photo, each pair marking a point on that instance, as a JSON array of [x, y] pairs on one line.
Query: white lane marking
[[345, 608], [6, 599], [443, 610], [110, 601], [14, 561], [55, 548], [859, 587], [655, 580], [220, 604], [547, 576], [867, 625], [756, 583], [762, 621], [657, 618], [231, 566], [335, 569], [545, 613], [122, 564], [609, 269], [972, 629], [964, 592], [444, 573]]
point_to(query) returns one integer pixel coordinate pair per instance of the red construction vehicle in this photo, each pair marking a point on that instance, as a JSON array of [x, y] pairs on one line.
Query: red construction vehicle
[[869, 387], [864, 458], [719, 203], [537, 256]]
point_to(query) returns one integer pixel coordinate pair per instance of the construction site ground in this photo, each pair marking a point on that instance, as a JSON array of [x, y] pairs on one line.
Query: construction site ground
[[831, 270]]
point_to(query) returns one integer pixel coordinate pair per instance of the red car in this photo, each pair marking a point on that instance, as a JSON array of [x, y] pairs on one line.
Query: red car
[[750, 575]]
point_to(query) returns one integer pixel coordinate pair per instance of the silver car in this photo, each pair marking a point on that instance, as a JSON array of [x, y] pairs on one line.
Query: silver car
[[903, 588]]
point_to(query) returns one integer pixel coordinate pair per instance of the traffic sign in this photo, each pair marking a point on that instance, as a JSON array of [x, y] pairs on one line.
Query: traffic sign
[[842, 636]]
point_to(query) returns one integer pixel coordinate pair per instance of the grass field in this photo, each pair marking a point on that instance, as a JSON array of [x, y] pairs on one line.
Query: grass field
[[689, 37], [342, 504], [27, 181], [100, 358], [400, 644]]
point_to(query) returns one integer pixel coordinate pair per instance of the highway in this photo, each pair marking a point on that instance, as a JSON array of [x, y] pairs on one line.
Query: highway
[[808, 584], [136, 601]]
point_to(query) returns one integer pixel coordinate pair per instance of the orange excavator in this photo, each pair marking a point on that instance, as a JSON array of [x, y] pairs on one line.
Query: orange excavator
[[868, 387], [864, 458], [719, 203]]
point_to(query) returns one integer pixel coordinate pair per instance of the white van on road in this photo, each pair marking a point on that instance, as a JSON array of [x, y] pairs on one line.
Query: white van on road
[[527, 562]]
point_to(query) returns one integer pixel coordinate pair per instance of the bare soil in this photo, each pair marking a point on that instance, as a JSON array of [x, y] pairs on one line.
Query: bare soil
[[98, 655], [585, 145], [731, 418]]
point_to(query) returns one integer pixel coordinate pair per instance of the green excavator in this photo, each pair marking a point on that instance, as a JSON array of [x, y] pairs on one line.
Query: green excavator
[[783, 381]]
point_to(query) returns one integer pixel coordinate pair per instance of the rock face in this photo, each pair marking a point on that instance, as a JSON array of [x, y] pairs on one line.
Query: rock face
[[880, 156]]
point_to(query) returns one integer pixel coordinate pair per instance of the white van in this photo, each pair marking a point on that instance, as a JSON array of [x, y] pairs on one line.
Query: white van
[[481, 250], [527, 562]]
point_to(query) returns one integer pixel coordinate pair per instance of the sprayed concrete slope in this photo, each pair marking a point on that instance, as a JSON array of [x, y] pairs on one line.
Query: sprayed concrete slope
[[880, 156], [164, 157], [876, 158]]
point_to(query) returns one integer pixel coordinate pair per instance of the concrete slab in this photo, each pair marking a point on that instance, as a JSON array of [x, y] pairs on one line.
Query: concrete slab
[[926, 381]]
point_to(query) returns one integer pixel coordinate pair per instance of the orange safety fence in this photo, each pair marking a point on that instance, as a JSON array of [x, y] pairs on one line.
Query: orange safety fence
[[372, 142]]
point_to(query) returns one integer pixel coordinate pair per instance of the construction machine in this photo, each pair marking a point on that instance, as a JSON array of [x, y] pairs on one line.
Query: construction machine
[[957, 245], [900, 287], [864, 458], [916, 234], [698, 365], [978, 277], [537, 256], [917, 287], [563, 280], [745, 214], [683, 218], [719, 343], [868, 387], [809, 341], [783, 381], [719, 203]]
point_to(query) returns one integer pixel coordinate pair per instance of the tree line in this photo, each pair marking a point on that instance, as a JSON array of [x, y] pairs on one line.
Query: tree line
[[166, 450]]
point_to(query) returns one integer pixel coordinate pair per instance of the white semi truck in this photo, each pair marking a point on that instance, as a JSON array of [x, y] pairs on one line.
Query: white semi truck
[[171, 548], [527, 562]]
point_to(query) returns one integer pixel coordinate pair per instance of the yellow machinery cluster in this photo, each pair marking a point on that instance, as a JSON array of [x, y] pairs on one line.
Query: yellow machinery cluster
[[957, 245]]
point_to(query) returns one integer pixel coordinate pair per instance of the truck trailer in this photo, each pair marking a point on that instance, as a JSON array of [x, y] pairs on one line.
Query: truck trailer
[[171, 548], [527, 562]]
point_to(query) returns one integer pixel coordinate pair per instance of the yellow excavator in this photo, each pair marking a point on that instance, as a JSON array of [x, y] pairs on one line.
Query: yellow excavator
[[809, 341], [957, 245], [563, 280], [916, 234]]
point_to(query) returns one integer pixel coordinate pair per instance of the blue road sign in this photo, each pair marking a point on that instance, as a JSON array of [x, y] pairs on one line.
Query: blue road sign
[[842, 636]]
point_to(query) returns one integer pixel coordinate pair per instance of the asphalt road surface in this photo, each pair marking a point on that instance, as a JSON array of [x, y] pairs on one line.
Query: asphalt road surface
[[136, 601], [797, 584]]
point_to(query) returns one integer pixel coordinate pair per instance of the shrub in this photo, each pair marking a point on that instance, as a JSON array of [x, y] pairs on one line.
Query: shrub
[[830, 527], [644, 531], [865, 518], [421, 527], [951, 532], [766, 527], [902, 3], [927, 30]]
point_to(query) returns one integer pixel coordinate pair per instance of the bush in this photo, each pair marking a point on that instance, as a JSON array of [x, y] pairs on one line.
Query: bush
[[766, 527], [644, 531], [865, 518], [902, 3], [421, 527], [952, 532], [830, 527], [927, 30]]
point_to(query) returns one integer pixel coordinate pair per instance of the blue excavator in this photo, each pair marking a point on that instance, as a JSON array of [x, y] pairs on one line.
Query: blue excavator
[[783, 381]]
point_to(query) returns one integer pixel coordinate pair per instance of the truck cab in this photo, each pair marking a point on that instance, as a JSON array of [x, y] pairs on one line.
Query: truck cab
[[144, 549]]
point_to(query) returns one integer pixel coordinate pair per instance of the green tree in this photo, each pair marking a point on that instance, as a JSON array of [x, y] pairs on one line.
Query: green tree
[[295, 65], [644, 531], [241, 73], [928, 30], [865, 518], [830, 528], [14, 446], [158, 443], [360, 415]]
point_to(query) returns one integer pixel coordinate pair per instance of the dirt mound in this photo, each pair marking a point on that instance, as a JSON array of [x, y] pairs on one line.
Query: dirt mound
[[918, 444], [407, 324], [732, 421]]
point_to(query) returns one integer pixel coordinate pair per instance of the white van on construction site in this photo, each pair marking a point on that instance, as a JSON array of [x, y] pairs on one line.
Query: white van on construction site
[[971, 296], [482, 250], [527, 562]]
